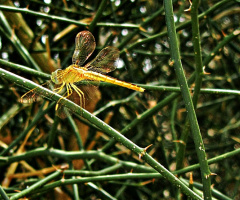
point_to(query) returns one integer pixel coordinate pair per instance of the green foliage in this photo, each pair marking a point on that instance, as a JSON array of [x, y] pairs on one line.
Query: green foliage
[[188, 62]]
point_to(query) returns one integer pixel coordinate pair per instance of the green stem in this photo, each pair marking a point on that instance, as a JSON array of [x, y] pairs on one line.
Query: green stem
[[203, 90], [37, 185], [101, 191], [103, 126], [178, 28], [75, 186], [42, 15], [172, 119], [197, 51], [142, 117], [199, 67], [175, 56], [98, 15], [117, 177], [220, 45], [134, 32], [63, 19], [3, 193], [36, 119], [66, 155], [226, 40], [218, 195], [75, 131], [148, 113], [20, 48], [78, 137], [198, 80], [53, 132], [24, 69]]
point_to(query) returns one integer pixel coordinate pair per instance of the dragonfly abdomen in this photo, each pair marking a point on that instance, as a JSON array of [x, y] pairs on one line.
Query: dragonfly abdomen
[[100, 77]]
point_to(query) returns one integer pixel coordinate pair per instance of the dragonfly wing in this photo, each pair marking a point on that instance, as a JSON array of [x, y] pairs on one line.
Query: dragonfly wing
[[85, 45], [105, 61], [33, 95]]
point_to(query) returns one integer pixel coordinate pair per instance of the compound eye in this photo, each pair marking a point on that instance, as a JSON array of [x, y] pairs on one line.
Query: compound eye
[[55, 77]]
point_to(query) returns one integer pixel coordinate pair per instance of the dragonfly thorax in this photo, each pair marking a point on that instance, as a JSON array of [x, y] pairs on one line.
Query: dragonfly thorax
[[55, 78], [70, 75]]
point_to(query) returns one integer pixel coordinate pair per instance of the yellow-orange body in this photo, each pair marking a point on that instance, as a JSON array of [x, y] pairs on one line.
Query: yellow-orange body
[[74, 74]]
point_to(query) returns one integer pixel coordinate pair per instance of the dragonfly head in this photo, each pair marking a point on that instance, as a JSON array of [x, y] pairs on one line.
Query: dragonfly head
[[55, 77]]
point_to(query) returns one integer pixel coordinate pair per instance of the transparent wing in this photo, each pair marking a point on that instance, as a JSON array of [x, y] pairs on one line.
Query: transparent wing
[[105, 61], [33, 95], [85, 45]]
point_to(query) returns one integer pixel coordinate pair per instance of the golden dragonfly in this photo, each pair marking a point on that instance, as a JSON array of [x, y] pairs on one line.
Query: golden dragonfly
[[95, 70]]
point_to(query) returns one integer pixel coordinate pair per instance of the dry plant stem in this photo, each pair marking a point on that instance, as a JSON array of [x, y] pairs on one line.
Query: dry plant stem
[[105, 128], [175, 57]]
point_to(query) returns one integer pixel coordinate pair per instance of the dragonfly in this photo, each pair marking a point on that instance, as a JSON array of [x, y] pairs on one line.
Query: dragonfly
[[95, 70]]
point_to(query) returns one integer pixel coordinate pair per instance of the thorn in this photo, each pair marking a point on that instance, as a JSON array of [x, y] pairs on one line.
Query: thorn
[[191, 178], [213, 174], [140, 156], [142, 29], [204, 72], [55, 167], [64, 166], [147, 182], [224, 34], [144, 151], [171, 63], [190, 7], [63, 178], [180, 141], [146, 148]]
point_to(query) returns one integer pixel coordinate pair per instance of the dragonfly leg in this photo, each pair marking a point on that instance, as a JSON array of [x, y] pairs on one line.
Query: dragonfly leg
[[59, 89], [80, 94], [69, 92]]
